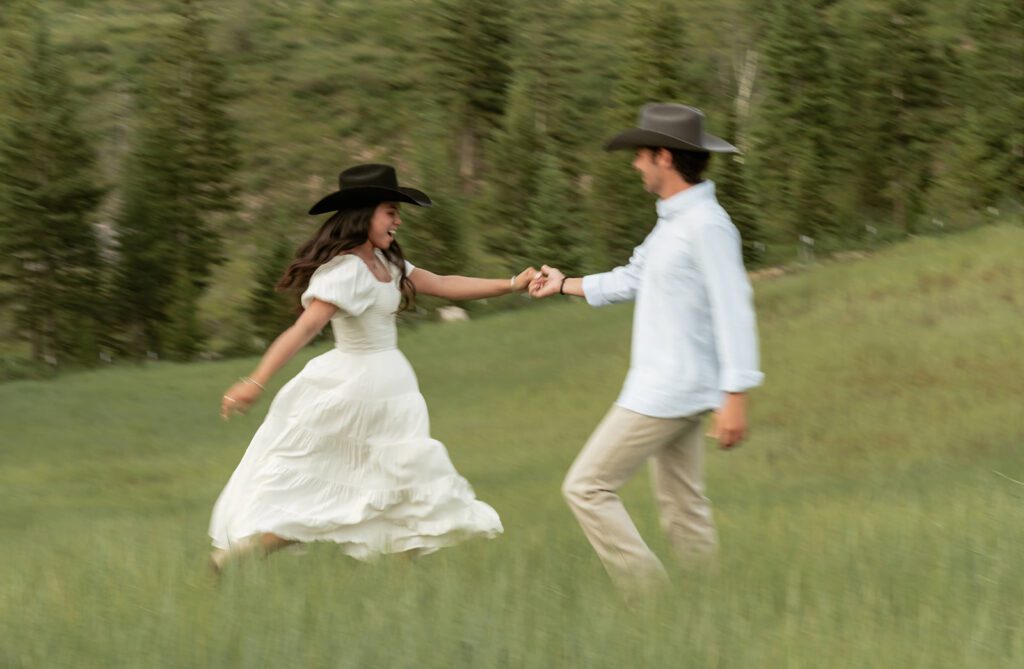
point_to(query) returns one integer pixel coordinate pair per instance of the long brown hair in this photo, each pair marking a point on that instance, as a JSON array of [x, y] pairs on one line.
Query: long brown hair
[[343, 231]]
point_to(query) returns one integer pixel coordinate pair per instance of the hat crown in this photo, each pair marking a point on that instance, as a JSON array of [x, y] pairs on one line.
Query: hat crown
[[368, 185], [672, 126], [686, 123], [370, 174]]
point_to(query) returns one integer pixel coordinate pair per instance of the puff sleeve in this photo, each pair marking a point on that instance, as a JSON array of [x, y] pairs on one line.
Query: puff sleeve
[[342, 282]]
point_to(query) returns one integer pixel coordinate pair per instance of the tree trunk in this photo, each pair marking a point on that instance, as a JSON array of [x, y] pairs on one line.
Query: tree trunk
[[745, 76], [467, 157]]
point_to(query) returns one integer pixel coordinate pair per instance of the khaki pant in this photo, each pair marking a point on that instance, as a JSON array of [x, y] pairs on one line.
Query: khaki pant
[[612, 455]]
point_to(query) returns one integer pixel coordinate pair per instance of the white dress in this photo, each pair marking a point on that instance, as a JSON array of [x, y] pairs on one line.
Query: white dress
[[345, 453]]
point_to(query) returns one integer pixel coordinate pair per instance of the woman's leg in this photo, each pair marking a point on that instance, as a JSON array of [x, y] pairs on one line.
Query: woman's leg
[[265, 544], [271, 542]]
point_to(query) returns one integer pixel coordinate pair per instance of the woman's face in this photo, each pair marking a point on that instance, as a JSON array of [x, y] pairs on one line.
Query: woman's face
[[386, 219]]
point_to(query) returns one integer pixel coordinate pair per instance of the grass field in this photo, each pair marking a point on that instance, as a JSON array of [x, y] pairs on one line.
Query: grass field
[[874, 519]]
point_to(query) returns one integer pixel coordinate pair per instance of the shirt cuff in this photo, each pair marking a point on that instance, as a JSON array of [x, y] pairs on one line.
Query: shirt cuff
[[592, 291], [737, 381]]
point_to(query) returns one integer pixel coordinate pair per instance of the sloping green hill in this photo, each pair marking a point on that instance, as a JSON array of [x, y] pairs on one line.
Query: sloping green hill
[[874, 519]]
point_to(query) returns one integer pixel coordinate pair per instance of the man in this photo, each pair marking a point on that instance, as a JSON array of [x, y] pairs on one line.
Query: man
[[694, 350]]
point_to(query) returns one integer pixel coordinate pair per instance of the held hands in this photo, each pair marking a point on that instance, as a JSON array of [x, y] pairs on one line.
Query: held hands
[[521, 282], [548, 282], [239, 397]]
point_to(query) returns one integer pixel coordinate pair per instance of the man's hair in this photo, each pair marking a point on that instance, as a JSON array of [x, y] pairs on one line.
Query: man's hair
[[689, 164]]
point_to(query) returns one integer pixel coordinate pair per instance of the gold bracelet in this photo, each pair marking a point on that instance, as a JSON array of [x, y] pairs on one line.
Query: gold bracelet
[[249, 379]]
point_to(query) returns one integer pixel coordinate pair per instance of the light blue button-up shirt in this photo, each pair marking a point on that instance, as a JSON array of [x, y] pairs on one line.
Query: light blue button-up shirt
[[694, 331]]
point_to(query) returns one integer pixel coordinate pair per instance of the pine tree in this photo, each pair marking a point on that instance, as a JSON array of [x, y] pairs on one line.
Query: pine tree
[[984, 162], [434, 236], [180, 332], [859, 142], [471, 48], [541, 116], [511, 181], [915, 82], [13, 40], [733, 193], [904, 77], [553, 218], [209, 133], [268, 310], [546, 47], [48, 191], [652, 71], [147, 263], [14, 31], [179, 186], [791, 136]]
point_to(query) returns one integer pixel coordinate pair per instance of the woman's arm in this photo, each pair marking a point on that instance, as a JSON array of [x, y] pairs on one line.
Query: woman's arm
[[244, 394], [467, 287]]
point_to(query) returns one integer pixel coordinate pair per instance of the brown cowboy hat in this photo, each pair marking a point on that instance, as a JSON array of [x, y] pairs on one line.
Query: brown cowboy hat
[[365, 185], [672, 126]]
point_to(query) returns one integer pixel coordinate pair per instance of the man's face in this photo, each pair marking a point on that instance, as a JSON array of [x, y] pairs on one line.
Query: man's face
[[647, 164]]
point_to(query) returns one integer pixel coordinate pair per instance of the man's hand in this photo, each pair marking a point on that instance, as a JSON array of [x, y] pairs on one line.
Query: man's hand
[[547, 283], [729, 424]]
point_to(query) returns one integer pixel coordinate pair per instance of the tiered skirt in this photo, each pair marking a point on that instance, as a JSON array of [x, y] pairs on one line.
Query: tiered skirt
[[345, 455]]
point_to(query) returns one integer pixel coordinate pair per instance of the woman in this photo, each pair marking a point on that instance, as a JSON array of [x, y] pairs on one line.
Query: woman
[[345, 453]]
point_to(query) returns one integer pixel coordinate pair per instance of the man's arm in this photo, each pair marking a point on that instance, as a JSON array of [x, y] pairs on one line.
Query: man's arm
[[618, 285], [735, 328]]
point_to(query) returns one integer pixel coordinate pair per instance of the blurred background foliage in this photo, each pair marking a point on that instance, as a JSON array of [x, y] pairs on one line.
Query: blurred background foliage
[[157, 157]]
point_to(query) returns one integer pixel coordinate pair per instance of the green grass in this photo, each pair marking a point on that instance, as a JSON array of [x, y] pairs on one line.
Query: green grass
[[874, 519]]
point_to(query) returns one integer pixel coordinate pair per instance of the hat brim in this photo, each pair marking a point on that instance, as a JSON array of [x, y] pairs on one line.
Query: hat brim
[[365, 196], [637, 137]]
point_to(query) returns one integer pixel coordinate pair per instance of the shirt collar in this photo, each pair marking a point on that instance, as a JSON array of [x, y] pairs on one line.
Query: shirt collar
[[683, 200]]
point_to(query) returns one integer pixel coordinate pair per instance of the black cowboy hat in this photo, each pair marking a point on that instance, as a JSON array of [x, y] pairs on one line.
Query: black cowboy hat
[[365, 185], [671, 126]]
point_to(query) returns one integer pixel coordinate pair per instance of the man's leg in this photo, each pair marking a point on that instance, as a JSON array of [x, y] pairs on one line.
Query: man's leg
[[612, 455], [677, 474]]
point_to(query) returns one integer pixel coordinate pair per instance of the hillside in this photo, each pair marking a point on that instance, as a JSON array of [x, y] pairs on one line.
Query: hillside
[[873, 519]]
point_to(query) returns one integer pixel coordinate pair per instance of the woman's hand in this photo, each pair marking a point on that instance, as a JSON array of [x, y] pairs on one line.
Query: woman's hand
[[548, 282], [238, 398], [521, 282]]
